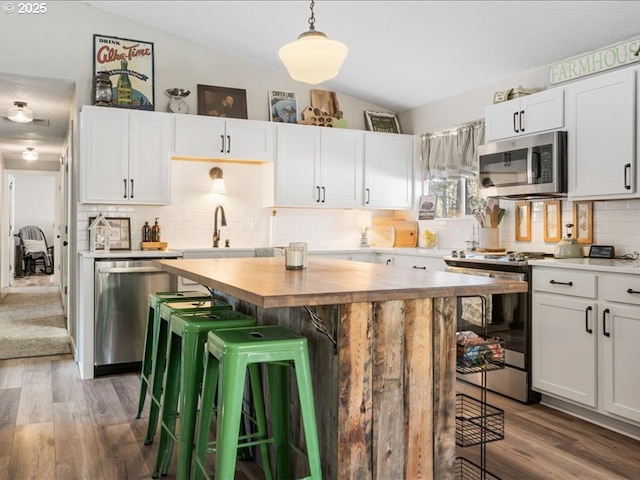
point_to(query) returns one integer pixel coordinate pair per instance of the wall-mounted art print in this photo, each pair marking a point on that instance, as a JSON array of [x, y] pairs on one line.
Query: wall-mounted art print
[[382, 122], [552, 220], [129, 65], [222, 102], [120, 233], [283, 106], [583, 221], [523, 221], [427, 210]]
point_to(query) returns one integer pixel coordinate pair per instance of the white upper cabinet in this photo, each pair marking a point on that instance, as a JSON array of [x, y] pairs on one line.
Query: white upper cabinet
[[125, 156], [388, 170], [318, 166], [232, 139], [535, 113], [601, 129]]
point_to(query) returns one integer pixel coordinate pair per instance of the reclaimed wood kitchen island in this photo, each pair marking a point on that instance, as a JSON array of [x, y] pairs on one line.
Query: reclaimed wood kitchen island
[[384, 369]]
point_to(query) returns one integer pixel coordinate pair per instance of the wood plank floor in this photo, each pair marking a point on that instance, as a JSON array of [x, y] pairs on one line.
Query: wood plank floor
[[54, 426]]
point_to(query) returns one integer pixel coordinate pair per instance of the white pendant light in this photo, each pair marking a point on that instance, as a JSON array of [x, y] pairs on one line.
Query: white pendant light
[[30, 154], [20, 113], [313, 58]]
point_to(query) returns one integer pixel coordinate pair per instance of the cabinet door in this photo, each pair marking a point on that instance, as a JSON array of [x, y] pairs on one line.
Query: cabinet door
[[564, 339], [388, 170], [341, 153], [105, 155], [542, 111], [249, 140], [199, 136], [502, 120], [601, 136], [150, 145], [297, 165], [620, 358]]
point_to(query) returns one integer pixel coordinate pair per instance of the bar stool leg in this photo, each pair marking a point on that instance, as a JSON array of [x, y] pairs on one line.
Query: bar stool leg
[[209, 387], [230, 394], [307, 408], [147, 360], [157, 374], [261, 422], [169, 406], [278, 375], [191, 377]]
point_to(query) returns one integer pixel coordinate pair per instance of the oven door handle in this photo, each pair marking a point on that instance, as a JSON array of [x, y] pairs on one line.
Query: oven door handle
[[522, 277]]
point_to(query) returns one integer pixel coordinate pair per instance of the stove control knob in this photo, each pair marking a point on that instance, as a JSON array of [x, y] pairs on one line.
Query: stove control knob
[[462, 254], [454, 253]]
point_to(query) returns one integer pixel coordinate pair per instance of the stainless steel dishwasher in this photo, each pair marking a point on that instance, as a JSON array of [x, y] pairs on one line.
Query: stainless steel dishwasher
[[122, 289]]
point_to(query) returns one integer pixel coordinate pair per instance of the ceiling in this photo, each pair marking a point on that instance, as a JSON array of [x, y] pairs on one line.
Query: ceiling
[[402, 54], [50, 100]]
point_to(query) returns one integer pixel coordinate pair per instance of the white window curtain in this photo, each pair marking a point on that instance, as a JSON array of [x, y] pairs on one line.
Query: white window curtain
[[451, 152]]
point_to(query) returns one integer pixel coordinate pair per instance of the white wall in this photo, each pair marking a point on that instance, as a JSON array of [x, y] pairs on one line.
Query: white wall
[[35, 202]]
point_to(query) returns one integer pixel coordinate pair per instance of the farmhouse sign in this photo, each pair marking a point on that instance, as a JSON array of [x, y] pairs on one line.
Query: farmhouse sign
[[594, 62]]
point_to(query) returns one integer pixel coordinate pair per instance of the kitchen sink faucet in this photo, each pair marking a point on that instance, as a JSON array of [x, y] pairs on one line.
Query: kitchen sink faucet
[[223, 223]]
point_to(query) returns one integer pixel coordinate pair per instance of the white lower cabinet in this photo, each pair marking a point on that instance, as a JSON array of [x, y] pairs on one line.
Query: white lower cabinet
[[564, 346], [585, 335]]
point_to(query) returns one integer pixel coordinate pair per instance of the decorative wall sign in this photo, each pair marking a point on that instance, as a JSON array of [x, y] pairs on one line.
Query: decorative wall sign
[[552, 216], [382, 122], [427, 210], [129, 64], [583, 221], [222, 102], [523, 221], [594, 62], [283, 106]]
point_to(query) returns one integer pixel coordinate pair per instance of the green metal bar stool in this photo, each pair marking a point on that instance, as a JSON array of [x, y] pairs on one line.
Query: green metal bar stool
[[183, 380], [151, 334], [231, 351], [158, 361]]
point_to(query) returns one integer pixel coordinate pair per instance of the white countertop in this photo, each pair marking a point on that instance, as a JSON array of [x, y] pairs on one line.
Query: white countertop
[[597, 264], [132, 254]]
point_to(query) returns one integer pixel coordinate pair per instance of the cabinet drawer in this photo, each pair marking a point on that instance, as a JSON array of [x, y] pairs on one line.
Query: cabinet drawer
[[566, 282], [621, 288]]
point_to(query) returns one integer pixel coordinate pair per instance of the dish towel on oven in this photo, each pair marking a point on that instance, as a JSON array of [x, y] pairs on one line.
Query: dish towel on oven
[[472, 307]]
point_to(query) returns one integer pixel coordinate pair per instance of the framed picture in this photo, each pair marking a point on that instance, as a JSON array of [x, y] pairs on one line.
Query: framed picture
[[552, 221], [283, 107], [523, 221], [222, 102], [583, 221], [129, 64], [120, 236], [382, 122], [427, 210]]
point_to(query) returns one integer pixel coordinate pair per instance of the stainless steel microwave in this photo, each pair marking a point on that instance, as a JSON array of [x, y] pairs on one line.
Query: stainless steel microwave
[[528, 167]]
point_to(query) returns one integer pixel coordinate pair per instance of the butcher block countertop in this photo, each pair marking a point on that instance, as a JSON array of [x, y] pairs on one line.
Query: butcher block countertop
[[266, 283]]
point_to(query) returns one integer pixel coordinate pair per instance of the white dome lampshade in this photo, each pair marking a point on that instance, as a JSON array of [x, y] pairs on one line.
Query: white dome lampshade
[[30, 154], [313, 58], [20, 113]]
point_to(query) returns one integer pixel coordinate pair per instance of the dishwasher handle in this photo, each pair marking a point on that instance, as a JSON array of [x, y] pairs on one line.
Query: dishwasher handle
[[129, 270]]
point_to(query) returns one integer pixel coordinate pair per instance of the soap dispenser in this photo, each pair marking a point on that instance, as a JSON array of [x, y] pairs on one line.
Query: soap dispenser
[[155, 232], [146, 232]]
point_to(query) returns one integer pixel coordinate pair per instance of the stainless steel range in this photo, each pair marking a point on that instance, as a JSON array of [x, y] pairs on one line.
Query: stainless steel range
[[507, 316]]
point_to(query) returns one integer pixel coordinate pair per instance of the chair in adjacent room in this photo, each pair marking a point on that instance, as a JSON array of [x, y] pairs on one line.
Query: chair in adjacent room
[[35, 250]]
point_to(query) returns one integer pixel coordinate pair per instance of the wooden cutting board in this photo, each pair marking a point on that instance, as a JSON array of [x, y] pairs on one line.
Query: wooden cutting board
[[406, 233], [381, 236]]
